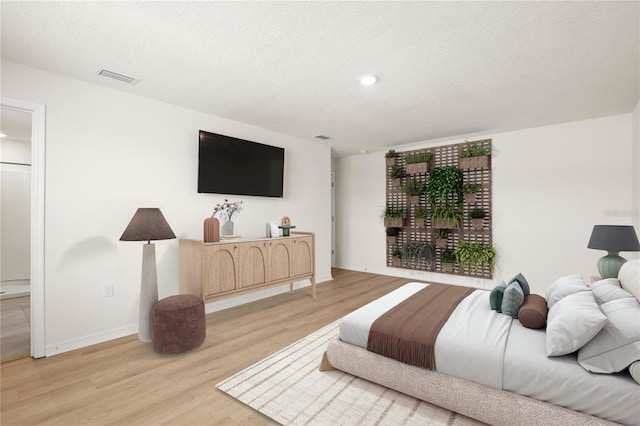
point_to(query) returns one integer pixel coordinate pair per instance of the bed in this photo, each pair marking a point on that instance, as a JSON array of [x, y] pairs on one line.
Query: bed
[[489, 367]]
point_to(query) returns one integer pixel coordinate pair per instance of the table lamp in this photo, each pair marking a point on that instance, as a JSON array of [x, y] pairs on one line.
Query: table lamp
[[147, 224], [613, 239]]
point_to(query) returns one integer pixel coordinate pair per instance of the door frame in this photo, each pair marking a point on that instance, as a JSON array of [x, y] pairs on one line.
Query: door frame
[[38, 125]]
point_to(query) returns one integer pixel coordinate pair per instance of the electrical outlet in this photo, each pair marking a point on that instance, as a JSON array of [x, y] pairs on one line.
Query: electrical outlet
[[108, 290]]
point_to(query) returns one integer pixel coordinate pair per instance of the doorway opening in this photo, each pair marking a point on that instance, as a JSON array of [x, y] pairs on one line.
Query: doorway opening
[[22, 164]]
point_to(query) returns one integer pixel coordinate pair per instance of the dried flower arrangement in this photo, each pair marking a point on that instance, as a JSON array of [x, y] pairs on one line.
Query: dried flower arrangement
[[228, 209]]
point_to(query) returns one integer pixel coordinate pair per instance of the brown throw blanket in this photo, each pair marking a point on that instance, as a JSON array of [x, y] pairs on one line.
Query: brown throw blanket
[[408, 331]]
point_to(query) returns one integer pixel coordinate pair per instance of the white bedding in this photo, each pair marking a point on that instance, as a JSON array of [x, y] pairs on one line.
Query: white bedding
[[483, 346]]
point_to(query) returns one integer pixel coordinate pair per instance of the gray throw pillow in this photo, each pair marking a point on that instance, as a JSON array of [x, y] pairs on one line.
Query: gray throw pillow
[[523, 283], [512, 300], [495, 297]]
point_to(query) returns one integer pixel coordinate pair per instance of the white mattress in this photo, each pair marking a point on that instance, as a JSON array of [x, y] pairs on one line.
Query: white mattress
[[483, 346]]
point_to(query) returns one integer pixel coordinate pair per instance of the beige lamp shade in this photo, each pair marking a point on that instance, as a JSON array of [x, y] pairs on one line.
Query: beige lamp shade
[[147, 224]]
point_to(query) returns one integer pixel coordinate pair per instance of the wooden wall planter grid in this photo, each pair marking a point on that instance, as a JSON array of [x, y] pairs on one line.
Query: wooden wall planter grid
[[475, 170]]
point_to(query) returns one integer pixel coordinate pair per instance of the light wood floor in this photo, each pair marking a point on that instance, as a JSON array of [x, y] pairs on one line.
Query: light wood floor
[[15, 328], [124, 382]]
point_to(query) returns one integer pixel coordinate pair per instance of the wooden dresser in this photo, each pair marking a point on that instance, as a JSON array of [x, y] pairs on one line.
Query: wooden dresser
[[229, 268]]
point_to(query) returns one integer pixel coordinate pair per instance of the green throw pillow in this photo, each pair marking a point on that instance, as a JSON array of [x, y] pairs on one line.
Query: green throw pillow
[[495, 297], [524, 285], [512, 300]]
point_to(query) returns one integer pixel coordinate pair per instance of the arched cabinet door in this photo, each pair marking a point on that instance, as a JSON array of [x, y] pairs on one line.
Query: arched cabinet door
[[280, 259], [303, 256], [221, 264], [253, 263]]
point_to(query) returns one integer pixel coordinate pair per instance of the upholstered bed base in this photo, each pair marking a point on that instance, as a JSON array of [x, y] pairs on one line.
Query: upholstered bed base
[[489, 405]]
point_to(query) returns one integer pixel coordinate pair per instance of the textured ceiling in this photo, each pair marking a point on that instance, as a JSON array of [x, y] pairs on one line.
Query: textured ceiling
[[445, 68]]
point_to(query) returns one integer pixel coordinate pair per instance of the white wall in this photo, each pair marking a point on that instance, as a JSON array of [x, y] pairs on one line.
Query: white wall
[[108, 153], [550, 186], [635, 178]]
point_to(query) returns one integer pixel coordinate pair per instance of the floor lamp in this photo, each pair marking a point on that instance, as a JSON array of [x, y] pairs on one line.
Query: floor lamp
[[146, 225]]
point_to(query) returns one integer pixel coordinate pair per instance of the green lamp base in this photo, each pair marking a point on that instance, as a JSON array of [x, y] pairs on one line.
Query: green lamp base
[[610, 265]]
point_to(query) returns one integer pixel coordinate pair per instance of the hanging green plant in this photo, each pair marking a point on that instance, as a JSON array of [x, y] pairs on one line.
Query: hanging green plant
[[477, 213], [413, 188], [419, 157], [397, 172], [474, 256], [446, 216], [447, 256], [417, 252], [442, 234], [421, 212], [475, 150], [445, 185], [393, 216]]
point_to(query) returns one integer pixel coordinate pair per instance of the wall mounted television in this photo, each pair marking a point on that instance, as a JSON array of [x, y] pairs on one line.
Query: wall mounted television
[[228, 165]]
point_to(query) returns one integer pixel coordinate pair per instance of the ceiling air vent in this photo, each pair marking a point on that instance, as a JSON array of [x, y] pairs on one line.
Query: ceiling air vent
[[119, 77], [323, 137]]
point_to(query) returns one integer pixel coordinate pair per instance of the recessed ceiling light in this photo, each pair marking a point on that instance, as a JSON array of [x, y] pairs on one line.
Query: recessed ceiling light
[[368, 79], [2, 135]]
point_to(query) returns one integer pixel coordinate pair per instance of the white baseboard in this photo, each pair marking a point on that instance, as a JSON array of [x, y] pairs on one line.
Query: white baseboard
[[116, 333], [92, 339]]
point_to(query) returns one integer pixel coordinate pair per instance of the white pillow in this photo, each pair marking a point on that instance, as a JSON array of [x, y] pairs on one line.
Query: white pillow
[[607, 290], [629, 277], [617, 345], [563, 287], [634, 369], [572, 322]]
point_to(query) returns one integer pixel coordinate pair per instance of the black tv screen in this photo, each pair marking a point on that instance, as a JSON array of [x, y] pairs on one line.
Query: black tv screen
[[229, 165]]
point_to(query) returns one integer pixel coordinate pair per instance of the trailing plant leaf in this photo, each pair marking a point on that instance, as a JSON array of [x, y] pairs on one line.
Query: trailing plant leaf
[[391, 153], [396, 252], [413, 188], [445, 185]]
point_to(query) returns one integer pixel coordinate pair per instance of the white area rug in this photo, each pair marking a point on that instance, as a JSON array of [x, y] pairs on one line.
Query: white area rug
[[288, 387]]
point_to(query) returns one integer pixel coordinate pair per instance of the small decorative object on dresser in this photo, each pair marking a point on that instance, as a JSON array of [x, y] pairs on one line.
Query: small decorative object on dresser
[[228, 210], [211, 230], [285, 225]]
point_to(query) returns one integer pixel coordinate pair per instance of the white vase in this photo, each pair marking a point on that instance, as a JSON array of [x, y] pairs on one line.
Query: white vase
[[227, 228]]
